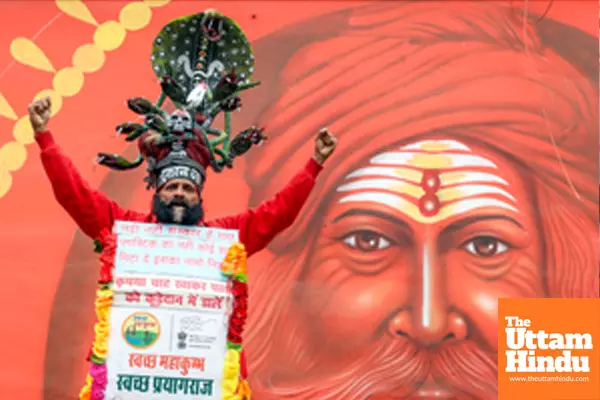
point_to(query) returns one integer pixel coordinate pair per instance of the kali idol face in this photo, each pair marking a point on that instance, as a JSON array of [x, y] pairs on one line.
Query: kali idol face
[[418, 244]]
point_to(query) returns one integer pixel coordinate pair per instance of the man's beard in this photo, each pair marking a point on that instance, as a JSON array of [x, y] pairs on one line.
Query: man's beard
[[395, 368], [166, 213]]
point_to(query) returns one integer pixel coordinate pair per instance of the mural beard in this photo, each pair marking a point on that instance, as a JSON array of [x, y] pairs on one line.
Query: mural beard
[[165, 212], [285, 363], [396, 368]]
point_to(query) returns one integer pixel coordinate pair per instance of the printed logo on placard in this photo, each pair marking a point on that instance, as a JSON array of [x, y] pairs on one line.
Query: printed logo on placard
[[141, 330], [548, 348]]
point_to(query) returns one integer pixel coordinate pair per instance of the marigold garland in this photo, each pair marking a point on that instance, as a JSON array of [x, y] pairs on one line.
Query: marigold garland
[[234, 266], [86, 391], [234, 386], [97, 379]]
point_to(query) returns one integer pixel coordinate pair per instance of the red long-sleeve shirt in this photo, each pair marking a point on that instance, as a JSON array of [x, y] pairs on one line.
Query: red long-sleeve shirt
[[93, 211]]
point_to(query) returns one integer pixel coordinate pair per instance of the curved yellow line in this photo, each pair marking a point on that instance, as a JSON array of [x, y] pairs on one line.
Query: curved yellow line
[[69, 81]]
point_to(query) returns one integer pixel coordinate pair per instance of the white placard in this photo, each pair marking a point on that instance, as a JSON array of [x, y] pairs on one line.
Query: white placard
[[168, 321], [173, 250]]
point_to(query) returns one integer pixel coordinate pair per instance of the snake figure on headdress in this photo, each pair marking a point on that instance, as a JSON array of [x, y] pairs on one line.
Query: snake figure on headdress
[[203, 62]]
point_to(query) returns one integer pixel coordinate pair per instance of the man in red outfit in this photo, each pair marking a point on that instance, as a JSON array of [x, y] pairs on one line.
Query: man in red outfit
[[178, 197], [178, 180]]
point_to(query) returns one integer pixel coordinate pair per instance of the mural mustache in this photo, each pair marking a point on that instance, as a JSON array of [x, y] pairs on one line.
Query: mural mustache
[[394, 369]]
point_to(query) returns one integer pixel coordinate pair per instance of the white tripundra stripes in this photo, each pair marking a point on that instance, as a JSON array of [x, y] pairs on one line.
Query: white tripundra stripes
[[412, 190], [393, 178]]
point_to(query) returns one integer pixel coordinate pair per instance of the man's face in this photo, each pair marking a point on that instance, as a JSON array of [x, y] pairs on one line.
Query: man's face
[[417, 245], [178, 201]]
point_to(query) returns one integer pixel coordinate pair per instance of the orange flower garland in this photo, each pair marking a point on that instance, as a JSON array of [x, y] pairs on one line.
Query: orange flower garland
[[96, 379], [234, 386]]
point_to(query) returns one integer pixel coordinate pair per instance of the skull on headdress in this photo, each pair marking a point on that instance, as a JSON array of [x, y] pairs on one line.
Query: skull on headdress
[[206, 45], [180, 122]]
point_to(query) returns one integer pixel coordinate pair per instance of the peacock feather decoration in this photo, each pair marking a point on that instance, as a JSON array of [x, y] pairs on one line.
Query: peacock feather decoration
[[203, 62]]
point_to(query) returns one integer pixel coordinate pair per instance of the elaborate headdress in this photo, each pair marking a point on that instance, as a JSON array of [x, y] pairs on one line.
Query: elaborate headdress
[[202, 61]]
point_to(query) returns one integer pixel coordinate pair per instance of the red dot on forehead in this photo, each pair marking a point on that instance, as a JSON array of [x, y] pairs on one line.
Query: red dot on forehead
[[430, 182], [429, 205]]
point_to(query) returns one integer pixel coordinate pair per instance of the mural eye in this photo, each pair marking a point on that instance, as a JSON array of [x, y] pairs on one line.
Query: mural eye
[[366, 241], [486, 246]]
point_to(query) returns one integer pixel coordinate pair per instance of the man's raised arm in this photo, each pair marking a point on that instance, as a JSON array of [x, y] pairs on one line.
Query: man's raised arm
[[260, 225], [89, 208]]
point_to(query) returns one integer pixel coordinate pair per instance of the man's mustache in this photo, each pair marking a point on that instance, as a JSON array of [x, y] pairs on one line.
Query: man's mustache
[[177, 202], [397, 368]]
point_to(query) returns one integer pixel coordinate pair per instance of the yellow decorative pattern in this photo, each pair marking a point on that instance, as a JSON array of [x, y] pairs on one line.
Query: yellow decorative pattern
[[5, 181], [5, 109], [88, 58], [13, 155], [156, 3], [23, 132], [69, 81], [27, 52], [135, 16], [110, 35], [77, 9]]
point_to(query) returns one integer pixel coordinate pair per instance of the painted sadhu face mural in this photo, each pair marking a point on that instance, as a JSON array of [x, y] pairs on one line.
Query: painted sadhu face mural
[[467, 171]]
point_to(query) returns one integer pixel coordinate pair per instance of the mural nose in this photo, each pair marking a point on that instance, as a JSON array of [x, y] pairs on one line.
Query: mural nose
[[429, 319], [451, 327], [430, 306]]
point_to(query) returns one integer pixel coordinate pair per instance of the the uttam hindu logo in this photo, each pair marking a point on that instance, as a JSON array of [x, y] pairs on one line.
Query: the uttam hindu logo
[[546, 349], [525, 345]]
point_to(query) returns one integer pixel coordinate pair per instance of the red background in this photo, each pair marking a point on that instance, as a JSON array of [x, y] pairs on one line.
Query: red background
[[35, 233]]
